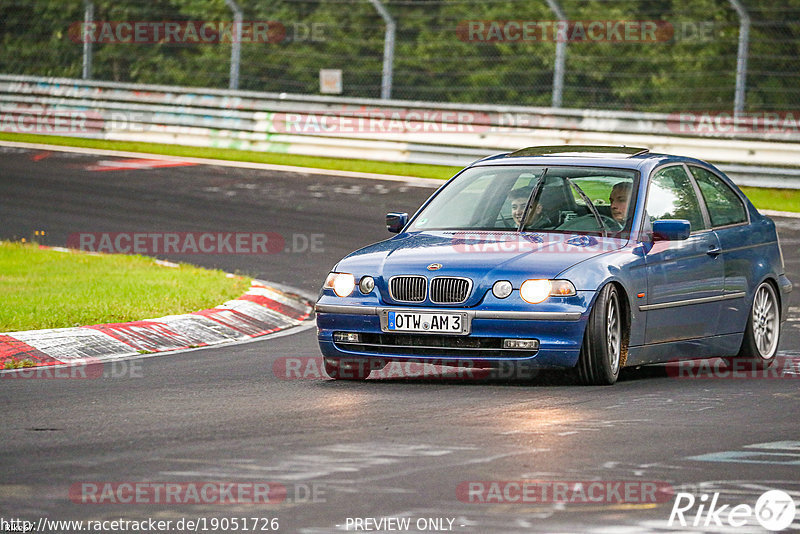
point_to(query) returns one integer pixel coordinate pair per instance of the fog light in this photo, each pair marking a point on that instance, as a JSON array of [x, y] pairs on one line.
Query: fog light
[[346, 337], [501, 289], [529, 344], [366, 285]]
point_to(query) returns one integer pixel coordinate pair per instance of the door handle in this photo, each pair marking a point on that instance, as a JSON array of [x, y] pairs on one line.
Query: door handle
[[714, 250]]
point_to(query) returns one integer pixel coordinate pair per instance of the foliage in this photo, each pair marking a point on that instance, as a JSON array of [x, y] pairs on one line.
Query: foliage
[[692, 68]]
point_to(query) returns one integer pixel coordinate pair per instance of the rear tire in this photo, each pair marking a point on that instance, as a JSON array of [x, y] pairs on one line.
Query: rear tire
[[763, 330], [347, 368], [604, 341]]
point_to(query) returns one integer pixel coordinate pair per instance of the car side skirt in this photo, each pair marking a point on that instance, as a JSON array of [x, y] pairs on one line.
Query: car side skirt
[[685, 349]]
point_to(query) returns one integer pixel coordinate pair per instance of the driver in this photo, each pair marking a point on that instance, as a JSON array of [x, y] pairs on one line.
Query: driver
[[619, 198]]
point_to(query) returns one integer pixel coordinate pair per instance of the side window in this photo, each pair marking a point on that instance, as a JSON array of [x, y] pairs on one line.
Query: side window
[[462, 207], [671, 196], [724, 206]]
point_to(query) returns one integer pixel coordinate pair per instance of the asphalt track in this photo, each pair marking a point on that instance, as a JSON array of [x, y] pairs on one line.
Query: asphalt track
[[387, 448]]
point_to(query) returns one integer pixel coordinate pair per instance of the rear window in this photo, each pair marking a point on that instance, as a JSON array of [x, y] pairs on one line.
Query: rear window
[[724, 205], [672, 196]]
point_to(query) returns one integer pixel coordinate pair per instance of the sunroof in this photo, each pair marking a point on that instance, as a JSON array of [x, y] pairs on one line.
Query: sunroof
[[589, 151]]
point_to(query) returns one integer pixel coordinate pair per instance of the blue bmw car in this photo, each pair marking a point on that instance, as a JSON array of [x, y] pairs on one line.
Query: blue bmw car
[[578, 257]]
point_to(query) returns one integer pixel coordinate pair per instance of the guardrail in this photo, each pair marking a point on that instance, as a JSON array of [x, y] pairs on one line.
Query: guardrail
[[762, 150]]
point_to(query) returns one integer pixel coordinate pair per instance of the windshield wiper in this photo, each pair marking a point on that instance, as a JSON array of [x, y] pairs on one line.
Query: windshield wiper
[[588, 205], [534, 192]]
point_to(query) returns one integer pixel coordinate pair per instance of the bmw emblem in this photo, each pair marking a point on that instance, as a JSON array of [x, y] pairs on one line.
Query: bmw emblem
[[434, 266]]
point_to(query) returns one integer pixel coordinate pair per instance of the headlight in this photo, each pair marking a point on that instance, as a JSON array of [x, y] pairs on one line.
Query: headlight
[[342, 283], [536, 291], [501, 289]]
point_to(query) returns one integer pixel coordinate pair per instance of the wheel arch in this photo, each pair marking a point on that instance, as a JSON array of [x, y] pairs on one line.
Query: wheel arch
[[627, 312], [773, 281], [627, 307]]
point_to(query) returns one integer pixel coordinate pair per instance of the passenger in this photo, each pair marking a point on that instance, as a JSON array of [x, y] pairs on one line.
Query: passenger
[[519, 200]]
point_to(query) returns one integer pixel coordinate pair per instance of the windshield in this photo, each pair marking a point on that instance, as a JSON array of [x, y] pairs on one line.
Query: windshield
[[585, 200]]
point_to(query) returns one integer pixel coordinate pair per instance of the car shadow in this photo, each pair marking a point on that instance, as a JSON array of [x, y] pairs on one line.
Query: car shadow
[[532, 378], [787, 366]]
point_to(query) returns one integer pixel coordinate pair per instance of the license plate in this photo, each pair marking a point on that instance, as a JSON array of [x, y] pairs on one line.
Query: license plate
[[439, 323]]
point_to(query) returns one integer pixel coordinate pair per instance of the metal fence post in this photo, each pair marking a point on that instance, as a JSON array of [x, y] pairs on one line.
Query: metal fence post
[[741, 57], [388, 50], [236, 46], [561, 56], [88, 18]]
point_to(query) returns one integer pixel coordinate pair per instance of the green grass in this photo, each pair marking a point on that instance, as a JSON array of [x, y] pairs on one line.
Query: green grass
[[773, 199], [42, 288], [763, 198], [16, 363]]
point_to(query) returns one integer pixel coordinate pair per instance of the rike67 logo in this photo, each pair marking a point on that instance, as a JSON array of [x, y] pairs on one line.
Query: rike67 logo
[[774, 510]]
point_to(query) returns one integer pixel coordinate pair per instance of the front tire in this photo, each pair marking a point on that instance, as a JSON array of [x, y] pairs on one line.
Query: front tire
[[763, 330], [604, 341]]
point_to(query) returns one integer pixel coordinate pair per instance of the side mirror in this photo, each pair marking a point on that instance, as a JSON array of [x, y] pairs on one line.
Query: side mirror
[[396, 222], [671, 230]]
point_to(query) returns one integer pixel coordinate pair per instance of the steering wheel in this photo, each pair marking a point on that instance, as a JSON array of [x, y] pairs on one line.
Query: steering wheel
[[611, 224], [508, 222], [589, 223]]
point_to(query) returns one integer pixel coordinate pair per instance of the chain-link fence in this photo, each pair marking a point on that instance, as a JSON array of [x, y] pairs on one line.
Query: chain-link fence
[[642, 55]]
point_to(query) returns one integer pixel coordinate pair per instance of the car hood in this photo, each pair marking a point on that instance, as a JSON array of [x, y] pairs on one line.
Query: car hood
[[484, 257]]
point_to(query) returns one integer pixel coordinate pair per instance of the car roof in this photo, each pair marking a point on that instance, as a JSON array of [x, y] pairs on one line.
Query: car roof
[[585, 155]]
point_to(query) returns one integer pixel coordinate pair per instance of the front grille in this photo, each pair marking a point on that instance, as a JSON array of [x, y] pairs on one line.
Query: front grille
[[446, 290], [408, 288]]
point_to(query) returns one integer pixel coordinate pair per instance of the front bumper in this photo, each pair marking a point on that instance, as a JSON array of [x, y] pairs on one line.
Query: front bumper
[[560, 334]]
